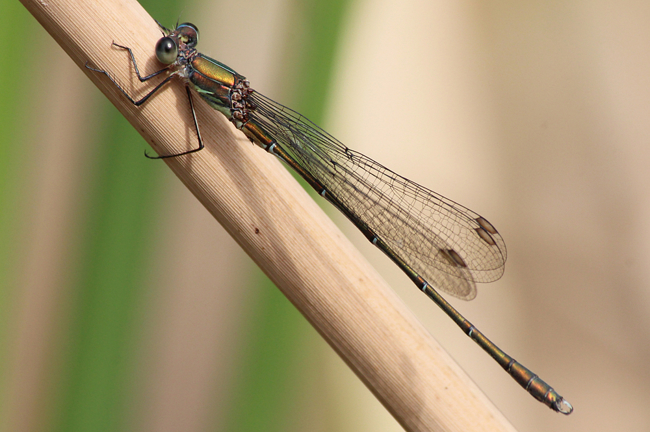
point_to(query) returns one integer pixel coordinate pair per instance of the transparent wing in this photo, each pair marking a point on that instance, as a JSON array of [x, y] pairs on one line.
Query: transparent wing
[[446, 243]]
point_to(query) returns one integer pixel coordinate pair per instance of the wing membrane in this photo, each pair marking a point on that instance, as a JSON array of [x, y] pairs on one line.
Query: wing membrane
[[417, 224]]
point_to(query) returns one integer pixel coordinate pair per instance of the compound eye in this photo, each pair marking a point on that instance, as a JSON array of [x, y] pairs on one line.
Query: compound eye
[[189, 34], [166, 50]]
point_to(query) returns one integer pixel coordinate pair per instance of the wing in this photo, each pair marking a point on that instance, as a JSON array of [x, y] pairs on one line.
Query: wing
[[447, 244]]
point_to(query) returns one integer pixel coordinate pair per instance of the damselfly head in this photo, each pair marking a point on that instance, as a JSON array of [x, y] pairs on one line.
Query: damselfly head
[[188, 34], [184, 36]]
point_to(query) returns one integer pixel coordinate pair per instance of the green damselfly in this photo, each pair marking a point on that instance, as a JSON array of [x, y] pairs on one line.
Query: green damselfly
[[430, 237]]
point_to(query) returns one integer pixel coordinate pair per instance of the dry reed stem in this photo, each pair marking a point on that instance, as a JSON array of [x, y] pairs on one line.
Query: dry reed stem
[[278, 225]]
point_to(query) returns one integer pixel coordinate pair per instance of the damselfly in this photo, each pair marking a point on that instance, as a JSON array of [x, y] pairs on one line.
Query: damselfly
[[430, 237]]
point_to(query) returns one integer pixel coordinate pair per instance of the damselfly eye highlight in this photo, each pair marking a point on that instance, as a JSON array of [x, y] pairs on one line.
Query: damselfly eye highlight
[[166, 50], [189, 34]]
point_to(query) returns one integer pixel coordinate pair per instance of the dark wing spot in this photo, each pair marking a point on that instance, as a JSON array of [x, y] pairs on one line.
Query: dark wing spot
[[487, 238], [487, 226], [453, 257]]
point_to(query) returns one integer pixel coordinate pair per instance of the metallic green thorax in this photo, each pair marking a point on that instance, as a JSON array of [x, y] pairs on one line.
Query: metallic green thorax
[[213, 81], [226, 91]]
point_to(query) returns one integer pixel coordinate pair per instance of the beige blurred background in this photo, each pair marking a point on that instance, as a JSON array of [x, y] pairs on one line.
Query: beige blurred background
[[533, 114]]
